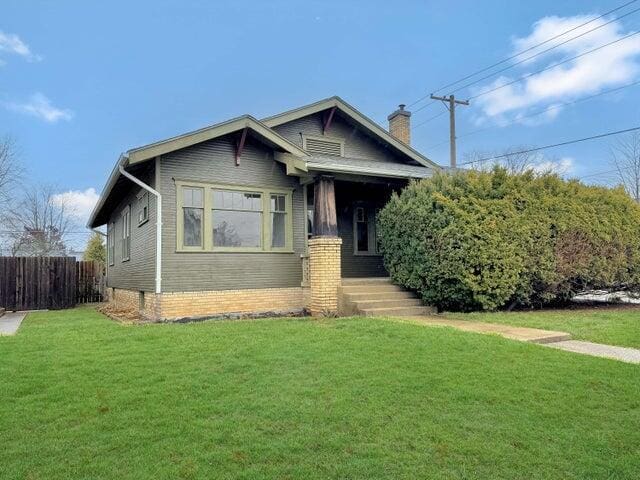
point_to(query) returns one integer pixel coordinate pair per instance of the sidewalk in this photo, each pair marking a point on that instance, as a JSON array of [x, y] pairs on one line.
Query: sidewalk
[[10, 322], [522, 334], [548, 338]]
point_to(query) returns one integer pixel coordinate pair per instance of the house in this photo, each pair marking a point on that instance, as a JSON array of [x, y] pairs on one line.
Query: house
[[254, 216]]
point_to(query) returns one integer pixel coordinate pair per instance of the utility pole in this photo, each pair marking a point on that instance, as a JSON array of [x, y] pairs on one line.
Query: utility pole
[[451, 100]]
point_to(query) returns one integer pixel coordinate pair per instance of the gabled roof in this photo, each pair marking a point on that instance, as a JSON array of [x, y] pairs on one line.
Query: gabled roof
[[361, 119], [148, 152], [152, 150]]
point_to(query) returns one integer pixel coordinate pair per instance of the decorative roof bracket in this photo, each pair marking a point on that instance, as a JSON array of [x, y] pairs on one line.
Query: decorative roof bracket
[[240, 145], [327, 118]]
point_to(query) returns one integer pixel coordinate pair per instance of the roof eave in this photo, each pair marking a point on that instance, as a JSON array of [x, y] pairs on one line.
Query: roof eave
[[360, 171], [106, 190], [153, 150]]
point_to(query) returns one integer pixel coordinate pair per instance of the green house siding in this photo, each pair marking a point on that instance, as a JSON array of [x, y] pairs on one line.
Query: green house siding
[[137, 273], [356, 143], [213, 162]]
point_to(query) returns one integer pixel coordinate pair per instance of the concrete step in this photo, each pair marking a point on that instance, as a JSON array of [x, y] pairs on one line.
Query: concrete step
[[402, 302], [365, 281], [397, 311], [359, 297], [373, 288]]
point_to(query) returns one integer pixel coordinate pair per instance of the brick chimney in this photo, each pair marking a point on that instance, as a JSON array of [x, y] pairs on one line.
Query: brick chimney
[[400, 124]]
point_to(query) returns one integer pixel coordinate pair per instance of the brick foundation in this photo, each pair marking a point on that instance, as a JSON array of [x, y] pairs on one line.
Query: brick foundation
[[176, 305], [324, 275]]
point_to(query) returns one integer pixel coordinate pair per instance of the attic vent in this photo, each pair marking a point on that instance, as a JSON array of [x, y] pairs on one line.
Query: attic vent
[[324, 146]]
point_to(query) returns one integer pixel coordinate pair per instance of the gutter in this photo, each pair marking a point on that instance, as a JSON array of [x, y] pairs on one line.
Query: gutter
[[155, 193]]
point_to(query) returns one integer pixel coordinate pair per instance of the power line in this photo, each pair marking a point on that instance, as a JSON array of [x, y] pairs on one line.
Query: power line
[[521, 52], [542, 52], [597, 174], [430, 119], [524, 77], [540, 112], [553, 145]]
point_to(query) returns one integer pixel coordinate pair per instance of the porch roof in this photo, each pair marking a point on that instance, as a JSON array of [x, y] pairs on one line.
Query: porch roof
[[329, 163]]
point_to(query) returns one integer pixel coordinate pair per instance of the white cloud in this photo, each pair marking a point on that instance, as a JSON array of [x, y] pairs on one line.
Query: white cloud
[[78, 203], [609, 67], [561, 166], [40, 106], [11, 43]]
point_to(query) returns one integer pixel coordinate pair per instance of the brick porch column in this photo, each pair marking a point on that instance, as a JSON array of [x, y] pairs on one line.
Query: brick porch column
[[324, 275], [324, 250]]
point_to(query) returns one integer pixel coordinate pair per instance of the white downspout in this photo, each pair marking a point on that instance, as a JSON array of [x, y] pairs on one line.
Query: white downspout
[[158, 224]]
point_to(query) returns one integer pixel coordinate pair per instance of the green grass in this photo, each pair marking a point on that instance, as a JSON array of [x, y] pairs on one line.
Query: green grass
[[612, 326], [84, 397]]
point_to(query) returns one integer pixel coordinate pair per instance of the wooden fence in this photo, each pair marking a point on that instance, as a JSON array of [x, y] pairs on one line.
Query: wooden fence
[[34, 283], [90, 282]]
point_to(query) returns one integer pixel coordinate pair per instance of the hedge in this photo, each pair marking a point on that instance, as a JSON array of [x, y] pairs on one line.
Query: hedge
[[487, 240]]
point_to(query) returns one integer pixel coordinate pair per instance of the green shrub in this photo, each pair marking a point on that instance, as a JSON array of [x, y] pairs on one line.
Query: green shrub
[[486, 240]]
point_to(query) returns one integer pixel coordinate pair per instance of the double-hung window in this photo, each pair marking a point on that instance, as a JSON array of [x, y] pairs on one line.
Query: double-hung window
[[126, 233], [278, 220], [229, 218], [143, 210], [192, 216]]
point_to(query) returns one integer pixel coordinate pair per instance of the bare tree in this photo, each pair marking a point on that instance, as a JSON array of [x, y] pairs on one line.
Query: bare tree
[[38, 224], [625, 156], [10, 168]]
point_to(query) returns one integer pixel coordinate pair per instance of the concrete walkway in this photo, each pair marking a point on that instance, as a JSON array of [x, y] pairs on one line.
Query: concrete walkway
[[548, 338], [522, 334], [10, 322], [624, 354]]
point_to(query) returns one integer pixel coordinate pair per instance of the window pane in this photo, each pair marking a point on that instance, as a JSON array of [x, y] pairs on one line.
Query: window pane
[[277, 229], [218, 201], [227, 199], [256, 202], [310, 221], [363, 237], [192, 227], [237, 229], [192, 197], [187, 197], [197, 197], [278, 203], [237, 201], [231, 200]]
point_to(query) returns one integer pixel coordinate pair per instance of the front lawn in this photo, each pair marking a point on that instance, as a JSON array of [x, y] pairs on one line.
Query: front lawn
[[84, 397], [605, 324]]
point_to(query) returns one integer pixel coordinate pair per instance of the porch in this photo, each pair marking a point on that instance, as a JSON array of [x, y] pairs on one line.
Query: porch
[[342, 239]]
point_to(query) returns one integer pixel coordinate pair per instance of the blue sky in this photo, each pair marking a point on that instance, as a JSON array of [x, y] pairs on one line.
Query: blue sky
[[81, 82]]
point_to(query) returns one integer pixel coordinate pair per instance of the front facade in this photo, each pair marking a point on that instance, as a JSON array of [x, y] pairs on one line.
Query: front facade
[[253, 217]]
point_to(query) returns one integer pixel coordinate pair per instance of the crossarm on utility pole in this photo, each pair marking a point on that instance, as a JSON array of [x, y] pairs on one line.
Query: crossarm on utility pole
[[451, 100]]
